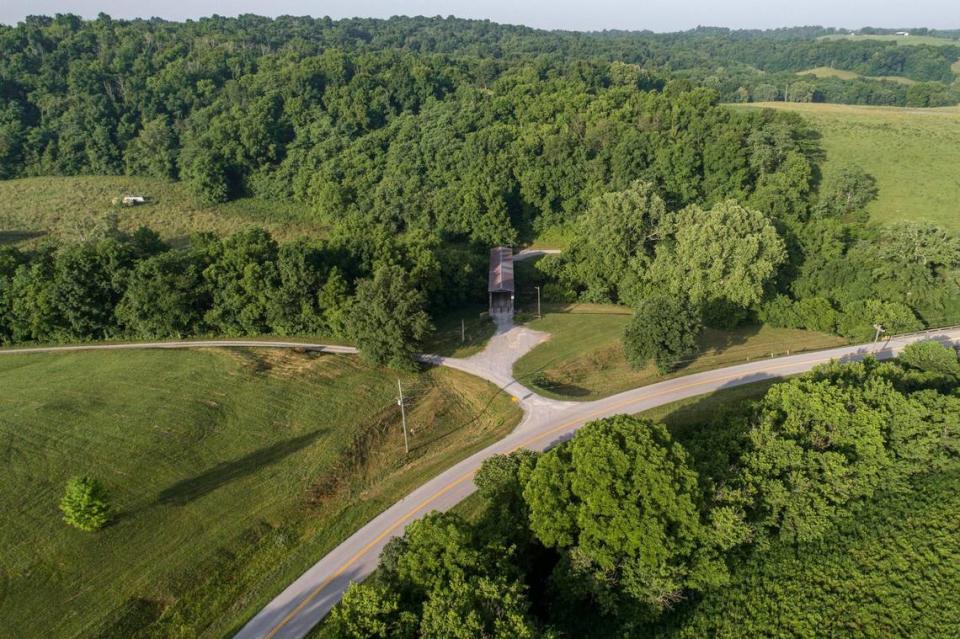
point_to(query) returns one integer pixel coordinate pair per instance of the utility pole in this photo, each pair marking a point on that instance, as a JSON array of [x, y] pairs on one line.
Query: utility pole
[[879, 328], [463, 331], [403, 416], [539, 316]]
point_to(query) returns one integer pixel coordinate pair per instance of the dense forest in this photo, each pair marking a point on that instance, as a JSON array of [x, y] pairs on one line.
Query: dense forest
[[769, 521], [421, 142], [106, 95]]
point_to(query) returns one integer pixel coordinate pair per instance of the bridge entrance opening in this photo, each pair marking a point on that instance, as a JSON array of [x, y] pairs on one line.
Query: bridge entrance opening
[[500, 287]]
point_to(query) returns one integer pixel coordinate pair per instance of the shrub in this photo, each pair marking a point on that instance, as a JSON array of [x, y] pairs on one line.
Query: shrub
[[816, 314], [85, 504], [932, 357], [859, 317], [812, 313], [558, 293]]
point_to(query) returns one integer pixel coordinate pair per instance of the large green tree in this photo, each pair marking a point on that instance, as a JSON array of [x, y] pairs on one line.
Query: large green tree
[[663, 328], [439, 580], [165, 297], [818, 443], [387, 319], [621, 504], [846, 191], [242, 277], [614, 242], [727, 255]]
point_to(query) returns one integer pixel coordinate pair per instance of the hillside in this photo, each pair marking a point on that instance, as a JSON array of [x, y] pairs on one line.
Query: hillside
[[915, 40], [231, 470], [584, 357], [913, 154]]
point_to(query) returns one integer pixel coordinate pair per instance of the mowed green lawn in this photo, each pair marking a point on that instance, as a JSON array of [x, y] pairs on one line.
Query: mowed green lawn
[[913, 153], [584, 358], [63, 205], [231, 471]]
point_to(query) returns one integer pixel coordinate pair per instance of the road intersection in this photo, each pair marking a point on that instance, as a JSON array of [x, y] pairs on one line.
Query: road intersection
[[546, 422]]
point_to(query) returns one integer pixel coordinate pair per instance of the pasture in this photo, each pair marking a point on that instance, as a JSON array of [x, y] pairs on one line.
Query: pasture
[[900, 40], [230, 470], [830, 72], [913, 154], [68, 206]]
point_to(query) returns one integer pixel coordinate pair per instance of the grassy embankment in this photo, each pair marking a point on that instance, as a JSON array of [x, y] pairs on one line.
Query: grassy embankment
[[62, 206], [231, 471], [584, 357], [913, 154]]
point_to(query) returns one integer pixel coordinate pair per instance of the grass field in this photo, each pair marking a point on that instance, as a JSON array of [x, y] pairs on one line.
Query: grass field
[[913, 154], [584, 358], [231, 471], [453, 339], [901, 40], [830, 72], [30, 207]]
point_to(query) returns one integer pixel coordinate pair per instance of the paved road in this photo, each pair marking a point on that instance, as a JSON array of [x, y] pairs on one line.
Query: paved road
[[546, 422], [527, 254], [210, 343]]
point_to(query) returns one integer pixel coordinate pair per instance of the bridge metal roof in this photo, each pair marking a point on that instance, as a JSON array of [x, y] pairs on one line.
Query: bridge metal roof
[[501, 270]]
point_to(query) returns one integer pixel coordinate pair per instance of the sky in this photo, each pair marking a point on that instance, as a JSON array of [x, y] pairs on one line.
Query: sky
[[580, 15]]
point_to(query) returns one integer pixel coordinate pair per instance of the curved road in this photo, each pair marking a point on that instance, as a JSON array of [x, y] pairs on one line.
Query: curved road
[[303, 604]]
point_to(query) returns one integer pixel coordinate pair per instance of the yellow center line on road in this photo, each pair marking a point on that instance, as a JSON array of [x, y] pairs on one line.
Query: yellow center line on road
[[469, 474]]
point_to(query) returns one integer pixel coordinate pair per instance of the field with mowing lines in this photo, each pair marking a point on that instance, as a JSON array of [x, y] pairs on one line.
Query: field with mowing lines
[[231, 472]]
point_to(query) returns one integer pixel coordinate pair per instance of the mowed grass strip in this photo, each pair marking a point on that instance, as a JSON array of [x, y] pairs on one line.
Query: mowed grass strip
[[900, 40], [63, 206], [584, 357], [231, 472], [913, 154], [830, 72]]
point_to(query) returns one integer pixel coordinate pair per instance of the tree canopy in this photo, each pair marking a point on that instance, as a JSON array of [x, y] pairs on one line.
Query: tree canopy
[[663, 328], [622, 505]]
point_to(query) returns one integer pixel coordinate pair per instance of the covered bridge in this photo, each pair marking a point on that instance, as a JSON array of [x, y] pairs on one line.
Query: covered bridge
[[500, 287]]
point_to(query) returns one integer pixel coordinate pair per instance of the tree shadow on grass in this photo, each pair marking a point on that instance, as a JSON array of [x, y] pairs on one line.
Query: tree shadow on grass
[[720, 340], [14, 237], [223, 473]]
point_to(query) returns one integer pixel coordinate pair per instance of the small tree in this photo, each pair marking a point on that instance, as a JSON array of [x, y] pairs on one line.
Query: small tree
[[847, 191], [86, 504], [663, 328]]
